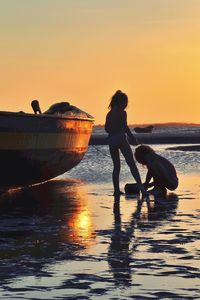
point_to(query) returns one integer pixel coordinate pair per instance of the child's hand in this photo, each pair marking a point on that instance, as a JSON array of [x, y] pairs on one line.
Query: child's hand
[[144, 192]]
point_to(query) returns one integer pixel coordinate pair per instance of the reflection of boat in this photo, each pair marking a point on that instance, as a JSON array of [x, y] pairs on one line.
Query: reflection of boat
[[38, 147], [146, 129]]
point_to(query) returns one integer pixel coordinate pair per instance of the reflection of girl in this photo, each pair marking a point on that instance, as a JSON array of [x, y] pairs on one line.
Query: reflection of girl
[[159, 169], [117, 128]]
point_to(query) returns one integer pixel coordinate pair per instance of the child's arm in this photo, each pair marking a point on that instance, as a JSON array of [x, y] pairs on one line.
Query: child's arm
[[148, 179]]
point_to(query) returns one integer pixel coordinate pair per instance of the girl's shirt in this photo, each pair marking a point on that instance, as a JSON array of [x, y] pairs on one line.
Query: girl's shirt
[[116, 126], [116, 121]]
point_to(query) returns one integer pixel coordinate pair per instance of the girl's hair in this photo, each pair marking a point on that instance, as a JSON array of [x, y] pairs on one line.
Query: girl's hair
[[141, 152], [119, 99]]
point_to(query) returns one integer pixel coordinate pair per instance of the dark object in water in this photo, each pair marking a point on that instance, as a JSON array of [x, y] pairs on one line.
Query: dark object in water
[[185, 148], [146, 129], [38, 147], [131, 188]]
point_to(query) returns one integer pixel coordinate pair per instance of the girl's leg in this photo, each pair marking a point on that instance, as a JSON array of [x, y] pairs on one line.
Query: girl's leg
[[128, 155], [114, 152]]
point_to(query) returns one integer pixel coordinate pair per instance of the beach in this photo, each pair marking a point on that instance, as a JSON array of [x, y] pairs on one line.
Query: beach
[[81, 80], [70, 239]]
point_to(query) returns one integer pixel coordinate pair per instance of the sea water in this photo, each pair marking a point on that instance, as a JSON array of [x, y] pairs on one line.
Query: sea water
[[69, 239]]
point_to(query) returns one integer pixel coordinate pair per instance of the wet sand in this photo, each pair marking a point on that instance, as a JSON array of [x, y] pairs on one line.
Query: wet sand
[[67, 239]]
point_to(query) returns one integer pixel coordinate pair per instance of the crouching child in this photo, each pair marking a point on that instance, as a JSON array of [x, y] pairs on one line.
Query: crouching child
[[159, 169]]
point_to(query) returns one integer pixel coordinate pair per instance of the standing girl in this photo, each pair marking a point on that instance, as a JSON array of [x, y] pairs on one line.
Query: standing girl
[[118, 130]]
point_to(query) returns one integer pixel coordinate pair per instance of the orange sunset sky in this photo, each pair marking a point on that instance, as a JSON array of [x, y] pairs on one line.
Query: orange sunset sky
[[81, 51]]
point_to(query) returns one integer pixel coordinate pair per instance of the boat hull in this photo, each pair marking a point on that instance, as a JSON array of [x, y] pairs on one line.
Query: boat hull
[[36, 148]]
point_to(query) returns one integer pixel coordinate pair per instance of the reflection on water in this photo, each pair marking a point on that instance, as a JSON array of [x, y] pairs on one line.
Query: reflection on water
[[59, 242], [43, 224], [161, 208], [123, 241], [82, 227], [119, 253]]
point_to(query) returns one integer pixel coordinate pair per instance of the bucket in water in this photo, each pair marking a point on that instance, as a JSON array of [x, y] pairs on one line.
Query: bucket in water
[[131, 188]]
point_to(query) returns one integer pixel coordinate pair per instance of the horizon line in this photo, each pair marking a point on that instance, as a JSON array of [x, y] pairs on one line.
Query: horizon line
[[158, 123]]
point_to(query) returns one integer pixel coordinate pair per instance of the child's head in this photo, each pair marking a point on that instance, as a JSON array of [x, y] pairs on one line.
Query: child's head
[[119, 99], [141, 152]]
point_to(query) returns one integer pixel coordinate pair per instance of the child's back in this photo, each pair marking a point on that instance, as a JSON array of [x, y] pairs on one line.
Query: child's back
[[159, 168], [163, 170]]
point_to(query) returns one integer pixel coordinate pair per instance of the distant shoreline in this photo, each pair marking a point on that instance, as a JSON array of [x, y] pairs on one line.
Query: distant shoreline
[[153, 138]]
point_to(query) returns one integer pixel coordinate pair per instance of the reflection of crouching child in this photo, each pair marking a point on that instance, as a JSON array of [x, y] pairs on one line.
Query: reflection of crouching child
[[159, 169]]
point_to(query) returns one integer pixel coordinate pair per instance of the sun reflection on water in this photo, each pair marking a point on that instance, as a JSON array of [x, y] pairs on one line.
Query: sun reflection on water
[[82, 227]]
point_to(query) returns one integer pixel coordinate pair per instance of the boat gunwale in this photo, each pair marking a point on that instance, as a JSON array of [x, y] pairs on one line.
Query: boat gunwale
[[19, 114]]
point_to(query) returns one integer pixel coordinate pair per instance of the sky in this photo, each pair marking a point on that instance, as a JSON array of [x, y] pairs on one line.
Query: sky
[[82, 51]]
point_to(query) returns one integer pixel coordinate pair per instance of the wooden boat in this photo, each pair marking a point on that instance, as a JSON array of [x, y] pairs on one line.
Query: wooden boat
[[37, 147], [146, 129]]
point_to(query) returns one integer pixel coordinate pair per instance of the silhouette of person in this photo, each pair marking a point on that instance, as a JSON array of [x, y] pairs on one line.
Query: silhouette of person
[[118, 131], [159, 169]]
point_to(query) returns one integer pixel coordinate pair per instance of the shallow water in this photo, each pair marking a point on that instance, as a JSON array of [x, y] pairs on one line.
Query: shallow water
[[68, 239], [96, 167]]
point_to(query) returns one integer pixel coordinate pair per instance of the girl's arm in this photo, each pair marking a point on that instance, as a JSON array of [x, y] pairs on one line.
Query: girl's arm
[[106, 127], [132, 138]]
